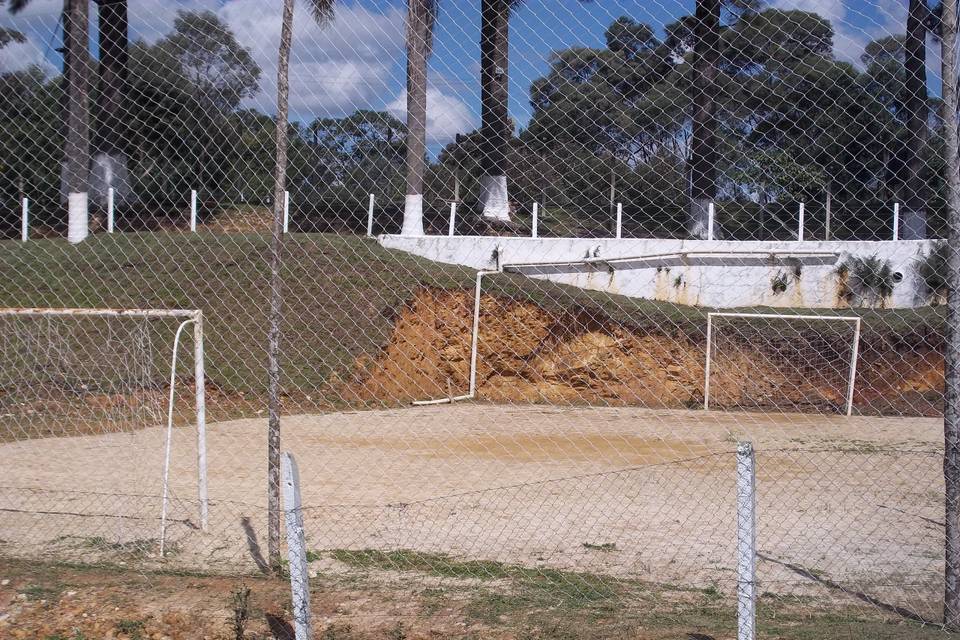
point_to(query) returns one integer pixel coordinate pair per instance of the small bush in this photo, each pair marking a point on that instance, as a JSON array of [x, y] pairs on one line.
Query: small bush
[[933, 270], [779, 283], [869, 280]]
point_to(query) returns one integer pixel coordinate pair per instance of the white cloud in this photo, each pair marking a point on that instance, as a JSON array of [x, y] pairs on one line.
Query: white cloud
[[886, 17], [334, 69], [20, 55], [446, 115]]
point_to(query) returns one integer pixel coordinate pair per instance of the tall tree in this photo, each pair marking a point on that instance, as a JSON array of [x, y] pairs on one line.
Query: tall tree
[[913, 214], [495, 125], [946, 31], [496, 128], [322, 12], [76, 151], [110, 159], [420, 18], [703, 145]]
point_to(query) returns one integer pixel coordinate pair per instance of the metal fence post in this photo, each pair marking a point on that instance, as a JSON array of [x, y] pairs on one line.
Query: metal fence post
[[296, 547], [746, 542], [896, 220], [286, 211], [25, 220], [370, 217], [110, 209], [711, 214], [453, 218], [619, 220], [800, 224], [193, 210], [951, 400]]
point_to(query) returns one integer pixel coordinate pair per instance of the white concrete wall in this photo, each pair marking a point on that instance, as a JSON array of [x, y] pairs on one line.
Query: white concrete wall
[[726, 281]]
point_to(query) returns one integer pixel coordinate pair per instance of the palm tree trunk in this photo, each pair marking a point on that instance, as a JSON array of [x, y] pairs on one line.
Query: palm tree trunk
[[913, 213], [110, 160], [276, 293], [418, 25], [494, 114], [951, 408], [76, 152], [703, 151]]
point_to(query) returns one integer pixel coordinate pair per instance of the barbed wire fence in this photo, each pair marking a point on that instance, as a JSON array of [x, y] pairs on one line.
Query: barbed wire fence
[[538, 272]]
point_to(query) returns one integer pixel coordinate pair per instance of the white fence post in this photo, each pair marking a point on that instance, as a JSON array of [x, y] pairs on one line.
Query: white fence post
[[370, 217], [619, 220], [296, 547], [453, 218], [536, 220], [286, 211], [896, 220], [800, 224], [110, 197], [746, 542], [25, 220], [711, 214], [193, 210]]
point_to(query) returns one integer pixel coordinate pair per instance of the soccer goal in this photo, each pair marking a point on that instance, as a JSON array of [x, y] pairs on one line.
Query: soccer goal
[[106, 383], [781, 362]]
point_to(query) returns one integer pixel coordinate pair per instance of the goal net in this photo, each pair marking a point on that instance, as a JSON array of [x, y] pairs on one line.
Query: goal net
[[781, 362], [102, 419]]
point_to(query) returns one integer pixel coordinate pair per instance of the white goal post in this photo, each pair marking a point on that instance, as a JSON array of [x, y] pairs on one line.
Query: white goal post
[[855, 321], [186, 318]]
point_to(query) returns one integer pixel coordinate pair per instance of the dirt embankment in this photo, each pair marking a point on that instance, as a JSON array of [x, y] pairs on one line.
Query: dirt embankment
[[530, 354]]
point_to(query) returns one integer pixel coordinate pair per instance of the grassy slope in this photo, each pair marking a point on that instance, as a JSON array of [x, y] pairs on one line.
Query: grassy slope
[[342, 294]]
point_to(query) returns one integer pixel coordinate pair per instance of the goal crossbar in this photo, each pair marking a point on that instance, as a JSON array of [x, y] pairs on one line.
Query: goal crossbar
[[855, 349]]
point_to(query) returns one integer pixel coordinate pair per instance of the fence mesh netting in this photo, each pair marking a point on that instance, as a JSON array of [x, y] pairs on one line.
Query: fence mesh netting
[[544, 266]]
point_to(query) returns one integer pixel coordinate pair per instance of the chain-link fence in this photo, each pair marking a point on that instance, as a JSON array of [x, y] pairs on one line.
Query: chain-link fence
[[546, 270]]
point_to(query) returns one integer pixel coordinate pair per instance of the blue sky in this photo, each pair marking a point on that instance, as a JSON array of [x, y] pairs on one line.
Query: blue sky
[[358, 61]]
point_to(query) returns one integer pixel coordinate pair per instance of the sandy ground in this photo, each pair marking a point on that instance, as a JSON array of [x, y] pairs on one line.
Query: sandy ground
[[851, 503]]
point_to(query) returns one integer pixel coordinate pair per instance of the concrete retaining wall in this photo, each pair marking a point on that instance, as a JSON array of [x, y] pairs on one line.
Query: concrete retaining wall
[[721, 274]]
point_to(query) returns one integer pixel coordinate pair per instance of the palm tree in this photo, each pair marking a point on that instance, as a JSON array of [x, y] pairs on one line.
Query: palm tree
[[495, 125], [76, 152], [110, 163], [947, 33], [421, 15], [110, 160], [75, 172], [323, 13], [703, 154], [913, 214]]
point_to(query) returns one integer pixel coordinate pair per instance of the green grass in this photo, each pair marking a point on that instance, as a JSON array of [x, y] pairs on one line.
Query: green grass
[[485, 600], [541, 603], [341, 293]]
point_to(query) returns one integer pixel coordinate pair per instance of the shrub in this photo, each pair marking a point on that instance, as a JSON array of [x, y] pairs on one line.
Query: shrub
[[869, 280], [933, 270]]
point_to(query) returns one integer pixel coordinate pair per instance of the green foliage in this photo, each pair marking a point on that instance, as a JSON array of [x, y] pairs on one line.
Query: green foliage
[[933, 270], [793, 122], [780, 282], [869, 280]]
